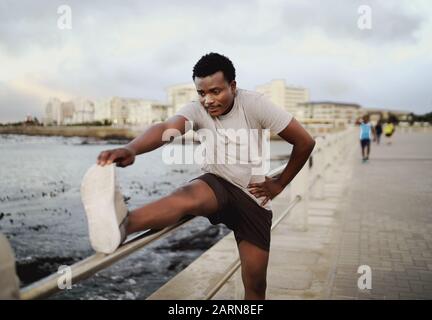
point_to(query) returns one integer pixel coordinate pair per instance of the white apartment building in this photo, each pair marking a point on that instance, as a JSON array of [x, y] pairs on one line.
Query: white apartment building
[[68, 111], [181, 94], [83, 110], [147, 112], [137, 111], [287, 97], [120, 111], [53, 112], [329, 111], [102, 110], [59, 112]]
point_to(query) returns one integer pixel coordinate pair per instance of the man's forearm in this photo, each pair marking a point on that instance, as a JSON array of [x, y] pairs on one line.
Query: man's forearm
[[149, 140], [298, 157]]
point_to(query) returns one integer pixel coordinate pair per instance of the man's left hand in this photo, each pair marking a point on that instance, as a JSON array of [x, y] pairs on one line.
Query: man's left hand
[[269, 189]]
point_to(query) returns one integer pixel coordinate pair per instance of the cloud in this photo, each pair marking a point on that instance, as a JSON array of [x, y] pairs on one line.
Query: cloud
[[138, 48], [338, 19], [15, 105]]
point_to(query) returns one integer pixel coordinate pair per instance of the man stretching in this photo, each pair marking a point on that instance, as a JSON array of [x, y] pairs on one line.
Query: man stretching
[[229, 192]]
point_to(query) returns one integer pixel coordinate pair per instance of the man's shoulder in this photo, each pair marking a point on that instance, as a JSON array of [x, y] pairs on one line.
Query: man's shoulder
[[250, 100], [249, 95], [194, 106], [193, 103]]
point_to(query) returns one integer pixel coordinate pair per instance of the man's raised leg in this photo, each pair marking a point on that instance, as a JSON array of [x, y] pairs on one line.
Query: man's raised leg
[[194, 198], [107, 214]]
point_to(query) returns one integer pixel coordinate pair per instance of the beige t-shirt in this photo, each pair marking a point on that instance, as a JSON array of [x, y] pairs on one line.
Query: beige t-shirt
[[236, 144]]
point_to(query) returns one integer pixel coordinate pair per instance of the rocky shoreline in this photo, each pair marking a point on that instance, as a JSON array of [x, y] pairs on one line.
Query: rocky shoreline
[[121, 134], [99, 132]]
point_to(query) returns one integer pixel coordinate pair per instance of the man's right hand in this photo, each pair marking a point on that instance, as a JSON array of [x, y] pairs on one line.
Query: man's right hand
[[123, 157]]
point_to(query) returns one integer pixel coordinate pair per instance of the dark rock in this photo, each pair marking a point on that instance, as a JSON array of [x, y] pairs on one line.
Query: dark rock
[[38, 268]]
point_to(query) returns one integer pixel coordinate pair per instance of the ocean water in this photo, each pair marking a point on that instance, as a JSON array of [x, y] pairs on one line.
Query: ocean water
[[42, 215]]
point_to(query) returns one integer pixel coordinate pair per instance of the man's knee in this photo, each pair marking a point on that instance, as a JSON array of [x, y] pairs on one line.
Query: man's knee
[[255, 282], [184, 200]]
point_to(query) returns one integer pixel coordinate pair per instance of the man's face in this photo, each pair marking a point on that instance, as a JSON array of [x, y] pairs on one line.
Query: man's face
[[215, 93]]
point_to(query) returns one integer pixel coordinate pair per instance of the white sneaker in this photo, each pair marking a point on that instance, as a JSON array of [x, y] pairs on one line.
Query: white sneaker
[[105, 208]]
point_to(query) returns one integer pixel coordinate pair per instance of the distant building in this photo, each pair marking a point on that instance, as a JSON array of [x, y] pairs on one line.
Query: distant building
[[68, 110], [102, 110], [331, 111], [179, 95], [83, 110], [116, 110], [147, 112], [384, 114], [53, 112], [119, 109], [287, 97], [137, 111]]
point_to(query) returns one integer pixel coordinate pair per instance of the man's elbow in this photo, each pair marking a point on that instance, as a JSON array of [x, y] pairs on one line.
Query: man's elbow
[[305, 145], [311, 144]]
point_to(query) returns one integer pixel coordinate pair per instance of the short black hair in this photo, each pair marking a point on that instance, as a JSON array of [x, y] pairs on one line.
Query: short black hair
[[212, 63]]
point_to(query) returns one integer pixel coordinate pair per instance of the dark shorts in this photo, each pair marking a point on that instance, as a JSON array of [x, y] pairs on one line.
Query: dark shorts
[[365, 142], [239, 212]]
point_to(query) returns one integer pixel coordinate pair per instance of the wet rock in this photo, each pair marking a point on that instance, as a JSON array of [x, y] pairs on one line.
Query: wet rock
[[178, 264], [179, 170], [129, 295], [33, 269], [38, 227]]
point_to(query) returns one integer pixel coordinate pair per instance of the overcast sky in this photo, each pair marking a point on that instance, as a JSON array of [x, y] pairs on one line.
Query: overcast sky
[[138, 48]]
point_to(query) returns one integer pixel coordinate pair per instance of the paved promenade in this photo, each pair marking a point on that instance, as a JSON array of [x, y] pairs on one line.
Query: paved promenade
[[377, 214], [387, 223]]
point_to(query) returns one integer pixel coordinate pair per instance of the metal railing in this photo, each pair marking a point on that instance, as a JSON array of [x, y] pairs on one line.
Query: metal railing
[[91, 265]]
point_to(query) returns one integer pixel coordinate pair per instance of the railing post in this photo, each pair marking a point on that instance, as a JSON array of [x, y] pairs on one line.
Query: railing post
[[331, 149], [299, 187], [335, 149], [318, 168], [328, 154], [339, 147]]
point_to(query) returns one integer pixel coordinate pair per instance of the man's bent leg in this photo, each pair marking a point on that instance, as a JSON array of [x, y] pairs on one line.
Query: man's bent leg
[[194, 198], [254, 261]]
